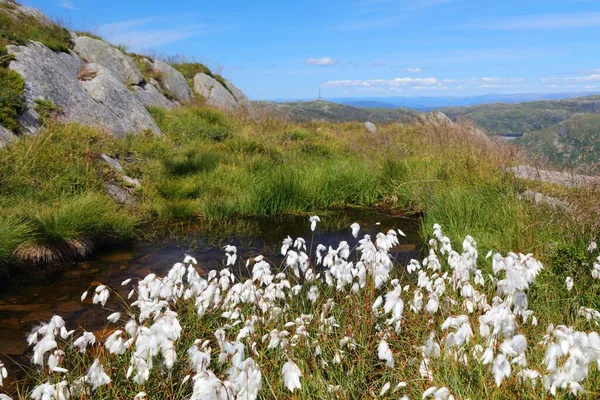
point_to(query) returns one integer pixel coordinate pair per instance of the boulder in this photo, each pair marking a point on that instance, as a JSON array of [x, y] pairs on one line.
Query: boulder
[[238, 95], [215, 94], [173, 81], [371, 128], [118, 194], [436, 118], [6, 136], [554, 177], [150, 96], [542, 199], [123, 104], [99, 52], [112, 162], [53, 76]]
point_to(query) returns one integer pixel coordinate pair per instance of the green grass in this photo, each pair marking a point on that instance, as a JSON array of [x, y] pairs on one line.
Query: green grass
[[17, 28], [190, 69], [215, 167], [12, 101]]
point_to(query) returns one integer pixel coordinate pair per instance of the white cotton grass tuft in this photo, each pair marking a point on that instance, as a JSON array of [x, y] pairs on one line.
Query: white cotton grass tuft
[[569, 283], [96, 375], [313, 222], [355, 227], [291, 375], [295, 310], [3, 373]]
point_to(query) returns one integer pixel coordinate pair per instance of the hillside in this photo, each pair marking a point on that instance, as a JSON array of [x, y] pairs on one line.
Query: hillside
[[48, 72], [573, 142], [517, 119], [319, 110]]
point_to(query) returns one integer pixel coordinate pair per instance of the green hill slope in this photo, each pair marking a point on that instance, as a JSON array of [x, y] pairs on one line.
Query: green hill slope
[[303, 111], [520, 118], [574, 142]]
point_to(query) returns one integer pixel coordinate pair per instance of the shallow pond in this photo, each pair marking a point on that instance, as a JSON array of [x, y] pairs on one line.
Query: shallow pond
[[28, 297]]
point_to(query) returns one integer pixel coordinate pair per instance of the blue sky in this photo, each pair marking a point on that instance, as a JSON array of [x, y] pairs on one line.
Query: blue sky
[[361, 48]]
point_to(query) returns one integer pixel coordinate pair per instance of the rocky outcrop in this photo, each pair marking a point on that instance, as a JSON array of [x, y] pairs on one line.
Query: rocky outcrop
[[554, 177], [97, 84], [99, 52], [107, 90], [543, 199], [215, 94], [238, 95], [150, 96], [77, 90], [6, 136], [436, 118], [173, 82]]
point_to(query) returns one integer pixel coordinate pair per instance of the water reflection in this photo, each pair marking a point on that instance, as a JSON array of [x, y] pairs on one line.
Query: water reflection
[[27, 298]]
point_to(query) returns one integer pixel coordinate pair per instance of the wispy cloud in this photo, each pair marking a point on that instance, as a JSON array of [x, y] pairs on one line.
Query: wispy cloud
[[401, 84], [366, 15], [396, 82], [414, 70], [379, 64], [543, 22], [320, 61], [67, 5], [574, 79], [143, 33]]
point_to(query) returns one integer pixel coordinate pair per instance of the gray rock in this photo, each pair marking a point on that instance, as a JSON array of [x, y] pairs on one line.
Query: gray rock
[[150, 96], [436, 118], [371, 128], [112, 162], [173, 81], [131, 181], [542, 199], [99, 52], [238, 95], [53, 76], [554, 177], [215, 94], [124, 105], [6, 136], [118, 194]]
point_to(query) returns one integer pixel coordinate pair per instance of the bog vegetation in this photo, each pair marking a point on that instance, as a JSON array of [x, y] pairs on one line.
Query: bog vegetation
[[345, 322], [482, 329]]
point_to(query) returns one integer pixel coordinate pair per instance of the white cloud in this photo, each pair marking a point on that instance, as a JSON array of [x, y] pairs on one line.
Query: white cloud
[[67, 5], [320, 61], [432, 84], [414, 70], [543, 22]]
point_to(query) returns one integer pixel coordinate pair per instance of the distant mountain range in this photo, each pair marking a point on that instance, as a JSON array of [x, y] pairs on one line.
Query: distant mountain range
[[427, 103]]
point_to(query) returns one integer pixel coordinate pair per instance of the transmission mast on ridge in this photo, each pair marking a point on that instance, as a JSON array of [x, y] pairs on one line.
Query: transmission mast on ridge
[[319, 98]]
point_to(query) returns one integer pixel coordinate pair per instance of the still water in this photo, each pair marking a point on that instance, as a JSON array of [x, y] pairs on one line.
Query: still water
[[37, 293]]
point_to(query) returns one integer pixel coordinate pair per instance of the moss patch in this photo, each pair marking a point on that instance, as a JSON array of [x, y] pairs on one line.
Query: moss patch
[[12, 102], [46, 109]]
